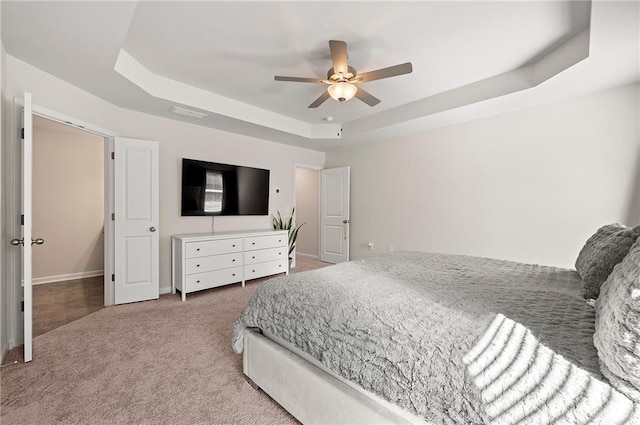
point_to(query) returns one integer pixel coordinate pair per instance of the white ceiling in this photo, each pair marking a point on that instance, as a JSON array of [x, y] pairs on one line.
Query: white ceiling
[[470, 59]]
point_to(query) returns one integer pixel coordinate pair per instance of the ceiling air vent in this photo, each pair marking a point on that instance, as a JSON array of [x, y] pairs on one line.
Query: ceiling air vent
[[187, 113]]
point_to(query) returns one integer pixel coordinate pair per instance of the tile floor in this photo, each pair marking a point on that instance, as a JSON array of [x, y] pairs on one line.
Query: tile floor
[[58, 303]]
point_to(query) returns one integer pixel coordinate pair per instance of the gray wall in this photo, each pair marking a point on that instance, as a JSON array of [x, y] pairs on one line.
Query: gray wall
[[530, 185]]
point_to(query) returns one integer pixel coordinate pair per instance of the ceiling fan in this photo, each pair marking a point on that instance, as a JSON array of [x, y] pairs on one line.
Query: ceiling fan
[[342, 78]]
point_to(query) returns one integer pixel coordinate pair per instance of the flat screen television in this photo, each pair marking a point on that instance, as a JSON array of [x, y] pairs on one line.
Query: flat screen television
[[209, 188]]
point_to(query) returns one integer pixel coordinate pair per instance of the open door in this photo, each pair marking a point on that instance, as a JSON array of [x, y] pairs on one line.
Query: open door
[[25, 180], [26, 241], [136, 219], [334, 215]]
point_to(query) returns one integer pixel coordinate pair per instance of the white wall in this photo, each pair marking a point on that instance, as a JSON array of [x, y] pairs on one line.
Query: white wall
[[307, 210], [3, 238], [68, 202], [176, 140], [528, 186]]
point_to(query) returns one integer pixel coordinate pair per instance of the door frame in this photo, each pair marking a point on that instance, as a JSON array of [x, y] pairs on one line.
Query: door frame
[[14, 207], [297, 165]]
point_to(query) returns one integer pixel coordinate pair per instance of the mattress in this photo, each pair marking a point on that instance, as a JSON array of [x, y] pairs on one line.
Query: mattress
[[449, 338]]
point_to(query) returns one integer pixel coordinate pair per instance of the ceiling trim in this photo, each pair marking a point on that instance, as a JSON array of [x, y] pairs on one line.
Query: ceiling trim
[[543, 68], [551, 64], [184, 94]]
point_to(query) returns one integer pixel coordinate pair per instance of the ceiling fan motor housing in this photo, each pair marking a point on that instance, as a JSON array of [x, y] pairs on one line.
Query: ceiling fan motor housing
[[338, 77]]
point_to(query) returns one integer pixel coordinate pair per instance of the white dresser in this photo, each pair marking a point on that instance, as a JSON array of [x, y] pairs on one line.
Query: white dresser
[[207, 260]]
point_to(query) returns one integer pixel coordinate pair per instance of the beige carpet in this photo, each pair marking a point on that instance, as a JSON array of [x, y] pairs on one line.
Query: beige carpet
[[155, 362]]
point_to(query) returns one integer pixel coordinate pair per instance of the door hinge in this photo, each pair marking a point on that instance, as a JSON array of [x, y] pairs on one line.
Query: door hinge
[[113, 155], [113, 278], [113, 216], [22, 133], [22, 219], [21, 305]]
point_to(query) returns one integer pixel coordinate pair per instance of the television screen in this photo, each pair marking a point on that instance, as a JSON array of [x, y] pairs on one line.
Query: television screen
[[209, 188]]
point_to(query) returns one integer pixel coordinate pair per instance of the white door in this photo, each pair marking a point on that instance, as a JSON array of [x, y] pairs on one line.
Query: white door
[[334, 215], [136, 220], [27, 188]]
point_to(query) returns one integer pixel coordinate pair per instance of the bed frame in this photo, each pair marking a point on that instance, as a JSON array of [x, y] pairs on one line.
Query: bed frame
[[308, 391]]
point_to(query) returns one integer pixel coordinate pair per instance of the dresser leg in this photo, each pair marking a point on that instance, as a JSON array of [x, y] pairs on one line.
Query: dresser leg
[[184, 295], [243, 283]]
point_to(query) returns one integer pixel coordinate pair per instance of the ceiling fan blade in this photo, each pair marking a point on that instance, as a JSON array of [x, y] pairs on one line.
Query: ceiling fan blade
[[392, 71], [339, 56], [298, 79], [319, 101], [367, 97]]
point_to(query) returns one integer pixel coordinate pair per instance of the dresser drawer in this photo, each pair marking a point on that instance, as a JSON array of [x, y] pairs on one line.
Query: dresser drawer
[[199, 281], [206, 248], [213, 262], [206, 260], [254, 271], [262, 242], [270, 254]]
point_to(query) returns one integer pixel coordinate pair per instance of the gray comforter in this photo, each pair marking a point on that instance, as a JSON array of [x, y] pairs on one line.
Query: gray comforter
[[453, 339]]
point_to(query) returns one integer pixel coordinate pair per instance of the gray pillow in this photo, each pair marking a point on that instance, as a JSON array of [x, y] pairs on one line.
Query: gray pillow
[[617, 336], [601, 253]]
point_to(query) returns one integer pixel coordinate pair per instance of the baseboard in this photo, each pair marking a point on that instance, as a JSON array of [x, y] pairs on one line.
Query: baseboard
[[315, 257], [3, 352], [165, 290], [64, 277]]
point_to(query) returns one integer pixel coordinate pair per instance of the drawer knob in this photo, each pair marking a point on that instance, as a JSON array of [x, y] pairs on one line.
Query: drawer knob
[[253, 256], [233, 274], [279, 253], [197, 281], [253, 243], [254, 271], [279, 265], [197, 249], [279, 240], [233, 246], [197, 265], [233, 260]]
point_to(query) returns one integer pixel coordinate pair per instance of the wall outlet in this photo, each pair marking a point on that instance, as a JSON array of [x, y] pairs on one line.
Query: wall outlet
[[389, 248], [370, 246]]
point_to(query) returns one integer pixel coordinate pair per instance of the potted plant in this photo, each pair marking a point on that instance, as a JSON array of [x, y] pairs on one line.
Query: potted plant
[[287, 224]]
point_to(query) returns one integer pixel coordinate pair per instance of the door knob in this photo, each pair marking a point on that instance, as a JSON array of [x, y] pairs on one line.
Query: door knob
[[16, 242], [152, 229]]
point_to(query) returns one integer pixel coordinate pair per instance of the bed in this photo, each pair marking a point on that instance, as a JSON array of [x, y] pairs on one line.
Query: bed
[[412, 337]]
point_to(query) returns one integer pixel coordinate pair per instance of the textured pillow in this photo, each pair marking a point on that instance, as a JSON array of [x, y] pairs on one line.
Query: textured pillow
[[601, 253], [617, 336]]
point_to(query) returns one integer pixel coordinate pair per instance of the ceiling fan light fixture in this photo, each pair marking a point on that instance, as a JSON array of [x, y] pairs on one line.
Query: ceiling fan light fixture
[[342, 91]]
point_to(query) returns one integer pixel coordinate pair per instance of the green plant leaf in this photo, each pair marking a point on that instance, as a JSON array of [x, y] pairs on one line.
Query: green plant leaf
[[293, 236], [287, 224]]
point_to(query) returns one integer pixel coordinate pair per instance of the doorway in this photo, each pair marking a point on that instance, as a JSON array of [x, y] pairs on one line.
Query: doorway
[[68, 213], [307, 204], [19, 311]]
